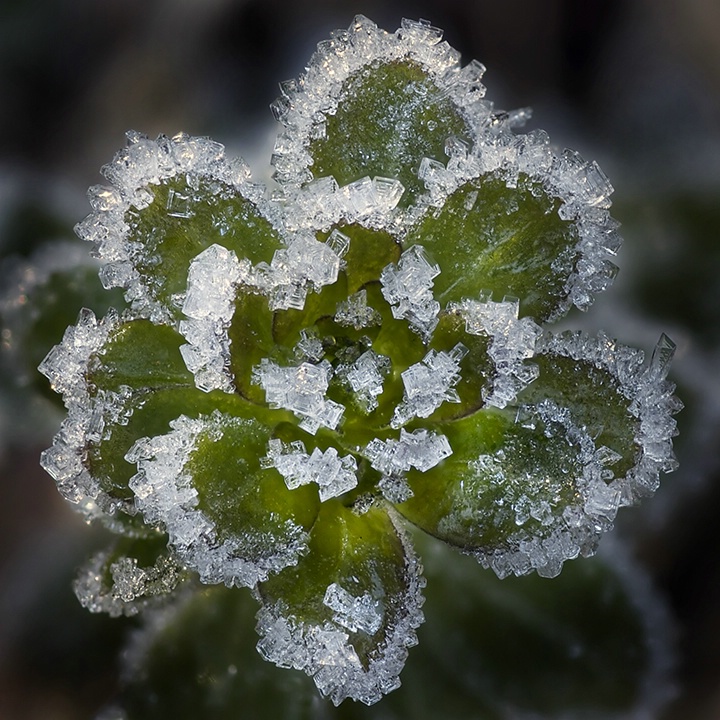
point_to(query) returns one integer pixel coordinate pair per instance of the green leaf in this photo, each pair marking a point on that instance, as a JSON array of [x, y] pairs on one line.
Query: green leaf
[[202, 663], [229, 514], [505, 492], [142, 355], [183, 220], [41, 298], [148, 413], [139, 383], [389, 117], [251, 340], [596, 401], [347, 612], [240, 496], [509, 241]]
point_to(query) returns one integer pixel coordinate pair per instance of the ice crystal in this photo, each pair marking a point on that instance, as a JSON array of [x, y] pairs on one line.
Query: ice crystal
[[333, 474], [407, 286], [355, 312], [353, 613], [209, 303], [419, 449], [301, 390], [512, 343], [365, 377], [133, 588], [428, 384]]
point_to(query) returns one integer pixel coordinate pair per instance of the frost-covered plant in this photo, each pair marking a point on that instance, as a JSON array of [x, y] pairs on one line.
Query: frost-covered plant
[[300, 374]]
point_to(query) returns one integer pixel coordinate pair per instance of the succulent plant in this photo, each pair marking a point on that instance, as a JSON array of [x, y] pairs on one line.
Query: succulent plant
[[303, 372]]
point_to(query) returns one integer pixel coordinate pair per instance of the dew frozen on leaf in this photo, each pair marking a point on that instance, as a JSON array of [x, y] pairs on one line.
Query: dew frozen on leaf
[[524, 223], [181, 484], [374, 105], [512, 344], [65, 367], [419, 449], [209, 305], [354, 613], [628, 404], [365, 377], [333, 474], [428, 384], [347, 613], [355, 312], [517, 493], [170, 199], [130, 577]]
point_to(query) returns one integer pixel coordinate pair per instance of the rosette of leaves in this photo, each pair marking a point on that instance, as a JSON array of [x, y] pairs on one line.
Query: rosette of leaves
[[300, 375]]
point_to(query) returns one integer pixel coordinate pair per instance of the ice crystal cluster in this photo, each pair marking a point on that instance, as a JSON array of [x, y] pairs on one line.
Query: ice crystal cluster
[[302, 372]]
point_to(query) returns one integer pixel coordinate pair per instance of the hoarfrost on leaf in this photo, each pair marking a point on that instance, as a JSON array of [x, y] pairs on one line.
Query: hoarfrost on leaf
[[354, 613], [281, 378], [165, 494], [355, 312], [512, 343]]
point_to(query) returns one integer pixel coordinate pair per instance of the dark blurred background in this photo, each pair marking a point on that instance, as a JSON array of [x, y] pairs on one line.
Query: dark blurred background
[[634, 84]]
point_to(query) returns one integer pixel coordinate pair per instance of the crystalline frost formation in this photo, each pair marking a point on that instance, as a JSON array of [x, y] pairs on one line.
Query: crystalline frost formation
[[324, 652], [408, 289], [165, 494], [302, 391], [512, 343], [543, 532], [333, 474], [428, 384]]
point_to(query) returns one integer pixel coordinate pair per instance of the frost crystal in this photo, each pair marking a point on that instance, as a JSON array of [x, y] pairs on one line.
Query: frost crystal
[[653, 402], [549, 532], [304, 264], [304, 104], [512, 342], [419, 449], [333, 474], [320, 204], [65, 366], [582, 188], [209, 304], [302, 391], [355, 312], [309, 347], [365, 377], [165, 494], [354, 613], [407, 287], [428, 384]]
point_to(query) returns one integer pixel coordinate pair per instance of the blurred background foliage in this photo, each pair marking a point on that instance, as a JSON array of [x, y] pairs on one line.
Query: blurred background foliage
[[634, 84]]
